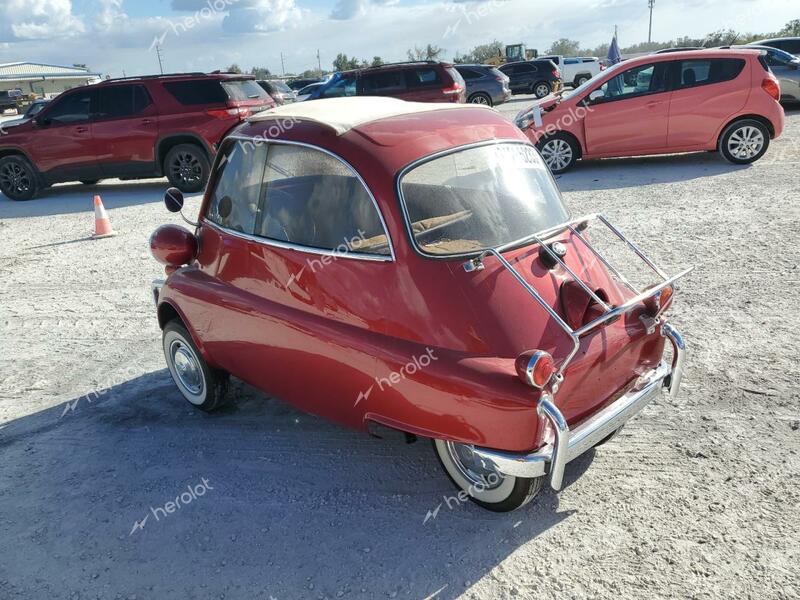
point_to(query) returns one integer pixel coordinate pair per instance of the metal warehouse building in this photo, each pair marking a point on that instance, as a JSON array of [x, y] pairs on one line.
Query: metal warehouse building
[[42, 79]]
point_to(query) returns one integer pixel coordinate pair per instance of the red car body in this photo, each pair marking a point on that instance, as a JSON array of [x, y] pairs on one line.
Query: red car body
[[681, 115], [332, 340], [88, 145]]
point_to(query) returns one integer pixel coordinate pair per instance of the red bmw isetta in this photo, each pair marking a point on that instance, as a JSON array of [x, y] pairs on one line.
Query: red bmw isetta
[[411, 266]]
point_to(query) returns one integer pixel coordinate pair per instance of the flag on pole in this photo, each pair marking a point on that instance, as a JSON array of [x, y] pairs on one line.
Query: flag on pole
[[613, 52]]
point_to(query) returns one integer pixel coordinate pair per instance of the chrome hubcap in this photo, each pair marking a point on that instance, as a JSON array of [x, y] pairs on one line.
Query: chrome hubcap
[[542, 90], [480, 100], [187, 369], [557, 154], [473, 468], [745, 142], [14, 179], [186, 167]]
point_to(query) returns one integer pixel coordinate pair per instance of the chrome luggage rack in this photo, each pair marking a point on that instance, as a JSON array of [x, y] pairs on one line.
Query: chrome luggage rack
[[609, 312]]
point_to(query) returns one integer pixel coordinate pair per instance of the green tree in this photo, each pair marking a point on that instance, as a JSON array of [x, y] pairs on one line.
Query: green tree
[[792, 29], [429, 52], [480, 54], [260, 72], [377, 61], [565, 47], [234, 68], [343, 63]]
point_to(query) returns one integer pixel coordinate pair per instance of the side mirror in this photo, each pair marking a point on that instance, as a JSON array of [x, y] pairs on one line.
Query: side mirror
[[597, 95], [173, 199]]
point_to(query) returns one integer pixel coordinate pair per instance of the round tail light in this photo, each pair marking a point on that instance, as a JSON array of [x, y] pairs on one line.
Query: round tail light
[[535, 367]]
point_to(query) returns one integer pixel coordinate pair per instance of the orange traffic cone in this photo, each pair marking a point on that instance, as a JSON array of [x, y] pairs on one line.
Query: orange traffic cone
[[102, 224]]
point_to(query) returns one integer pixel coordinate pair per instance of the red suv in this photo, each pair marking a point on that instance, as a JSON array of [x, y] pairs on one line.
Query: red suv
[[129, 128], [419, 81]]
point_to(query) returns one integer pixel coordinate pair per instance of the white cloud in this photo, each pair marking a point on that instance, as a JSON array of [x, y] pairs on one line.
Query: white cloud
[[37, 20], [262, 16]]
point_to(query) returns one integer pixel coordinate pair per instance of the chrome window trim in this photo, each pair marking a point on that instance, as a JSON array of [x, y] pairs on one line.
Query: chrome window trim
[[391, 257], [421, 161], [297, 247]]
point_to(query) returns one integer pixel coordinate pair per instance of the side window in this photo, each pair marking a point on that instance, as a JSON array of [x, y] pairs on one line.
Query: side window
[[237, 186], [693, 73], [468, 74], [121, 101], [791, 46], [417, 78], [638, 81], [313, 199], [343, 87], [197, 91], [383, 82], [74, 108], [509, 71]]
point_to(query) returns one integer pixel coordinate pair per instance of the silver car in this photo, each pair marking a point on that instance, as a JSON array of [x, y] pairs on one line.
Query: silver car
[[786, 68]]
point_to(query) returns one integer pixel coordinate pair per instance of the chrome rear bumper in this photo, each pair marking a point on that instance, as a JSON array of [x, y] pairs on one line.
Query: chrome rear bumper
[[571, 443]]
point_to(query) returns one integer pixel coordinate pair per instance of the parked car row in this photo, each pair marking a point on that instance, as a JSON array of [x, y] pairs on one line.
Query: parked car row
[[129, 128]]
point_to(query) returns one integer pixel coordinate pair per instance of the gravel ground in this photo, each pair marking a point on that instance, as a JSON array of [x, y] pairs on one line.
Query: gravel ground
[[699, 497]]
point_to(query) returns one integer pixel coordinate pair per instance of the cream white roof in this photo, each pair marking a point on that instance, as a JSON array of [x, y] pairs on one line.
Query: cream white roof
[[343, 114]]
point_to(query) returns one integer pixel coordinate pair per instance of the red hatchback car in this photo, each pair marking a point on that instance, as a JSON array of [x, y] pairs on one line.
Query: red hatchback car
[[128, 128], [724, 100], [412, 266]]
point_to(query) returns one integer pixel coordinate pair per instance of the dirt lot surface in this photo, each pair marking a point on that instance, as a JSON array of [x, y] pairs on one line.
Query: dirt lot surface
[[698, 497]]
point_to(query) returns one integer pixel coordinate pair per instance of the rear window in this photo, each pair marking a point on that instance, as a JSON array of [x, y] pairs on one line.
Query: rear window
[[417, 78], [281, 87], [245, 89], [197, 91], [702, 72]]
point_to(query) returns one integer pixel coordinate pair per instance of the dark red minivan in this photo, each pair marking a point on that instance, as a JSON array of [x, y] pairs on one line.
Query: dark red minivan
[[416, 81], [129, 128]]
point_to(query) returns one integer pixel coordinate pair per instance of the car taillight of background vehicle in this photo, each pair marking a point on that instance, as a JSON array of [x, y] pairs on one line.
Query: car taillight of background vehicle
[[602, 67], [556, 73], [225, 113], [453, 90], [772, 87]]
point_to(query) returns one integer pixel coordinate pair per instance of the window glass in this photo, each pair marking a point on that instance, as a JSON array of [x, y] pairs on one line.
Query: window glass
[[644, 79], [313, 199], [479, 198], [245, 89], [197, 91], [346, 86], [702, 72], [383, 82], [73, 108], [237, 186], [422, 77], [122, 101], [526, 68], [468, 73]]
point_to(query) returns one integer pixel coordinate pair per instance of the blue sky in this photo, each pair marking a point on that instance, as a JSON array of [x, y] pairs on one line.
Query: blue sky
[[116, 36]]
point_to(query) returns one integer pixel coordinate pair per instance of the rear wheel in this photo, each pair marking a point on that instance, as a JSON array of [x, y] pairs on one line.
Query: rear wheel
[[541, 89], [202, 386], [744, 141], [485, 486], [18, 179], [480, 98], [580, 80], [186, 166], [559, 151]]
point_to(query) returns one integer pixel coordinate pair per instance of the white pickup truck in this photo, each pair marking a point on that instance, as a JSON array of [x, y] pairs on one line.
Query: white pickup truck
[[575, 70]]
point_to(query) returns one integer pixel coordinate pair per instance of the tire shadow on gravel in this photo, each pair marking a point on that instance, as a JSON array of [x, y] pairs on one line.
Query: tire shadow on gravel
[[129, 491]]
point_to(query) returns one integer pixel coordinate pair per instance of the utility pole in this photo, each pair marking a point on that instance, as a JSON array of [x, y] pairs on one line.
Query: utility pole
[[160, 63], [650, 4], [319, 63], [283, 67]]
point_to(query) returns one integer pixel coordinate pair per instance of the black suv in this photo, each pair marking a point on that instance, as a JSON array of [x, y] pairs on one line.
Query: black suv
[[540, 77]]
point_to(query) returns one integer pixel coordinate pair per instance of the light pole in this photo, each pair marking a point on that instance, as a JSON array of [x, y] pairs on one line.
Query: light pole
[[650, 3]]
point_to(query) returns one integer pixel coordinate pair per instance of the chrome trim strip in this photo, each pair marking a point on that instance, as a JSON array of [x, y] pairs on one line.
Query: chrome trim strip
[[570, 443], [301, 248], [155, 289]]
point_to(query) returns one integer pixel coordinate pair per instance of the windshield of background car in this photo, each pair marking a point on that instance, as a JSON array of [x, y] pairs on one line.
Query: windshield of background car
[[479, 197], [344, 86], [593, 82], [281, 87]]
